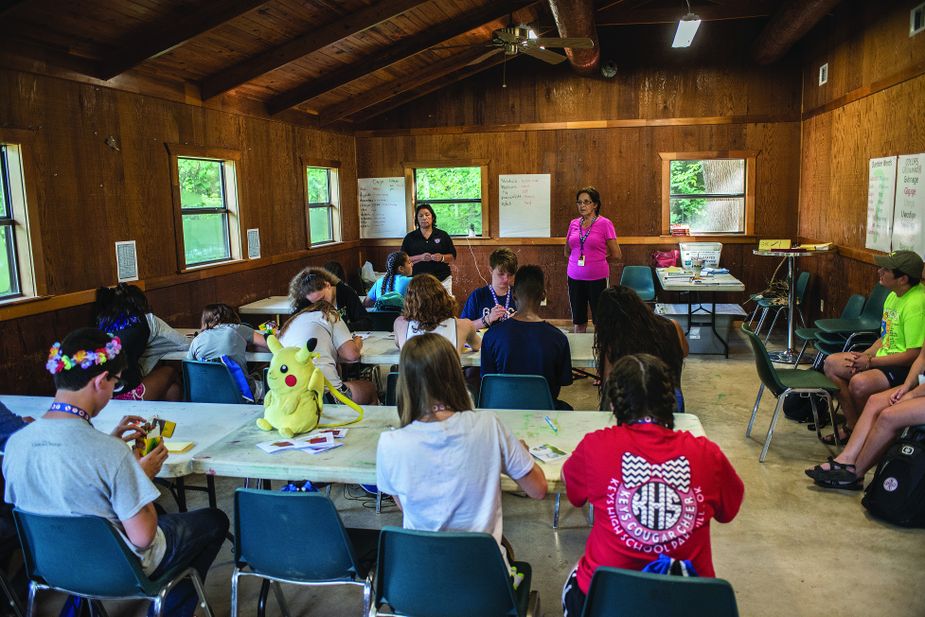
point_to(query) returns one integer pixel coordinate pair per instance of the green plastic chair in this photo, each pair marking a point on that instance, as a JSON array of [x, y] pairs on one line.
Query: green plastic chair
[[851, 310], [621, 593], [391, 389], [869, 320], [639, 278], [783, 383], [766, 306], [448, 574], [293, 538], [508, 391], [85, 556]]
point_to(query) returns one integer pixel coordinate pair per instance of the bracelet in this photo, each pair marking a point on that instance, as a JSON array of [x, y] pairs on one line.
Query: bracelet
[[442, 258]]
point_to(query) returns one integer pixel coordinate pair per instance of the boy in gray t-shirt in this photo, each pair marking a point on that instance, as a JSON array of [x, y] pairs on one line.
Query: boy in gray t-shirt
[[60, 464]]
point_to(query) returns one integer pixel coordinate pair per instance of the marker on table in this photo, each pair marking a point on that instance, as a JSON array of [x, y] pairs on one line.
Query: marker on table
[[553, 425]]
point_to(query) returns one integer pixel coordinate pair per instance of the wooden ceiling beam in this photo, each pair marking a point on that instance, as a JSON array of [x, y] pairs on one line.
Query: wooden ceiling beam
[[433, 86], [452, 64], [8, 5], [790, 22], [173, 33], [395, 53], [303, 45]]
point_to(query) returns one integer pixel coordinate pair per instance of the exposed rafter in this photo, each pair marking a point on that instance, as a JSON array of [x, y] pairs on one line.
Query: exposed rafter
[[435, 85], [787, 26], [169, 35], [395, 53], [456, 62], [303, 45], [9, 5]]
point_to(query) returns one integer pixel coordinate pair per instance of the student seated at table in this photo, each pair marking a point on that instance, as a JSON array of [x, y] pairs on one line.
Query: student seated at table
[[338, 294], [493, 303], [60, 464], [124, 310], [884, 416], [654, 489], [320, 320], [222, 334], [626, 326], [444, 464], [429, 308], [397, 276], [525, 344], [885, 364]]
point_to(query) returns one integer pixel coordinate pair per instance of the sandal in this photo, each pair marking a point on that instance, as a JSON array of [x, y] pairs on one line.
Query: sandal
[[844, 435], [856, 484], [842, 471]]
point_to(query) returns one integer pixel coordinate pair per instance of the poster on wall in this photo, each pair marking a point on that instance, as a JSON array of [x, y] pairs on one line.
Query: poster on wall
[[881, 186], [382, 207], [909, 209], [523, 205]]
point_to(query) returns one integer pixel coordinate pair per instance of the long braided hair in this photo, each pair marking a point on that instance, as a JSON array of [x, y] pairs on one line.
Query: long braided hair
[[641, 385], [392, 263]]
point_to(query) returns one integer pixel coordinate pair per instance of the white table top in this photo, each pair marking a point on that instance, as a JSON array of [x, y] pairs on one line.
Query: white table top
[[380, 348], [274, 305], [774, 253], [237, 455], [684, 282], [201, 423]]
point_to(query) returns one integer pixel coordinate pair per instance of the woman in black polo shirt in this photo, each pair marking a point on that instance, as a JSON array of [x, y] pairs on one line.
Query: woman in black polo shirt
[[431, 250]]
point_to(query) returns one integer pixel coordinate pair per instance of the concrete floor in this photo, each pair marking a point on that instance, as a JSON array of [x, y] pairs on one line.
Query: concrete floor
[[793, 550]]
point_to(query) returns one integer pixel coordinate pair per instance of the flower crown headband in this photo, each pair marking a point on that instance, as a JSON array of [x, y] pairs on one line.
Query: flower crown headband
[[84, 358]]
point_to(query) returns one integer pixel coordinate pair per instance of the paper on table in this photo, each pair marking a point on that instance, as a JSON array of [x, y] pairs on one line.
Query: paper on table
[[547, 453], [178, 447]]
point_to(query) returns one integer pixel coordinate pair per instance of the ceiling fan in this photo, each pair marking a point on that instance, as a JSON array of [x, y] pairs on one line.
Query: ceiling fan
[[521, 39]]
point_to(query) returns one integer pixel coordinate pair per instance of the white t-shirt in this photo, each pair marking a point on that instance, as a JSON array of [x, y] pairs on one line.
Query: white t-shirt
[[446, 329], [448, 474], [330, 337]]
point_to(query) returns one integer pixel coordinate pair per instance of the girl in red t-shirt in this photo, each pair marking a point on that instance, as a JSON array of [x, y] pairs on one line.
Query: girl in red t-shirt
[[654, 489]]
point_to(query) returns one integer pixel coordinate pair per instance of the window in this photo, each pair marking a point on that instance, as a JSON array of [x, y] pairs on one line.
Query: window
[[708, 193], [455, 193], [205, 192], [322, 195], [16, 266]]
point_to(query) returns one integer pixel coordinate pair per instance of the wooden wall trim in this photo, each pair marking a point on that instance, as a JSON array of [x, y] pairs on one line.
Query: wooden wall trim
[[584, 124], [35, 306], [916, 70]]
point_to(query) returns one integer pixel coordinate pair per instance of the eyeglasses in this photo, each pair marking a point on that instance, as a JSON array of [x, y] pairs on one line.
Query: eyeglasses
[[583, 202]]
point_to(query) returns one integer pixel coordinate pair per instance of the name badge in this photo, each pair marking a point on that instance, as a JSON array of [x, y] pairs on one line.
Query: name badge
[[581, 260]]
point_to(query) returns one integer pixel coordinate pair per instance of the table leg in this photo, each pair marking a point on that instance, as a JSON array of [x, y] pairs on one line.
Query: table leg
[[789, 355]]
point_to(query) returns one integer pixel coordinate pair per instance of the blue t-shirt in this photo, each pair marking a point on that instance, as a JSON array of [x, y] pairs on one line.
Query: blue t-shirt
[[401, 286], [480, 303], [528, 348]]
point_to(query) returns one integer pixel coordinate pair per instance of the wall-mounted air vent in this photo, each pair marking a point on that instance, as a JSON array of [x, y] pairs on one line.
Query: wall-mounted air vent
[[824, 74], [917, 19]]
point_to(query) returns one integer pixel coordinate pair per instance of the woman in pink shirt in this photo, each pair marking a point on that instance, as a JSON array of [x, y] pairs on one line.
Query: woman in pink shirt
[[590, 244]]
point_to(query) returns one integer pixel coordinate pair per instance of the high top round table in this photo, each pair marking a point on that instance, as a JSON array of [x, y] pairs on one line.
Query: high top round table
[[788, 355]]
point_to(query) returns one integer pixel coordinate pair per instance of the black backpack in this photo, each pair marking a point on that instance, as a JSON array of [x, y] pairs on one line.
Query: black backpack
[[897, 492]]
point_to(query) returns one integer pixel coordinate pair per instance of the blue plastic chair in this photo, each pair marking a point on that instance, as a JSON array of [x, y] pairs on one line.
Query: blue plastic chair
[[503, 391], [85, 556], [639, 278], [448, 574], [209, 382], [618, 593], [293, 538]]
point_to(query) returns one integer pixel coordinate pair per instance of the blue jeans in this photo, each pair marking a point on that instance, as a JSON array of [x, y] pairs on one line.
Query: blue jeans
[[193, 539]]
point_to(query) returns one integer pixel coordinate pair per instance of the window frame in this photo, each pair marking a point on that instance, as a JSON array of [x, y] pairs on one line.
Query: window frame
[[28, 260], [749, 156], [333, 205], [411, 191], [230, 170]]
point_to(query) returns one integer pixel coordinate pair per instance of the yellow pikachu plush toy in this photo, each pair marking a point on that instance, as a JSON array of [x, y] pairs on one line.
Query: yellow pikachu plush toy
[[293, 404]]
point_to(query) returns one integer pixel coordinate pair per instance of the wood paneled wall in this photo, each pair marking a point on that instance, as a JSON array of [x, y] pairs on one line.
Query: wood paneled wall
[[871, 107], [89, 194]]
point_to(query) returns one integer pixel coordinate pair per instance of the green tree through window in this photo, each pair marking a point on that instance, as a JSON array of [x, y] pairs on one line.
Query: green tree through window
[[455, 194]]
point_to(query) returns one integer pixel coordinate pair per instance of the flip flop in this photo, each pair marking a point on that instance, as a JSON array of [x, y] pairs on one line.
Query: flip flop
[[844, 435]]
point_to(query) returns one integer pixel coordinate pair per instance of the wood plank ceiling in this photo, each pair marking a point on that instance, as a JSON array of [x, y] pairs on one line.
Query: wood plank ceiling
[[336, 61]]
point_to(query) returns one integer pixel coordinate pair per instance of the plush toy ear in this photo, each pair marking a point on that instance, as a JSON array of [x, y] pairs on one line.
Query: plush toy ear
[[274, 344], [304, 354], [311, 344]]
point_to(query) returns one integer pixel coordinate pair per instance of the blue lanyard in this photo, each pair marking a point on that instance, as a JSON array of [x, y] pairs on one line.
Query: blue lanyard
[[583, 238], [71, 409]]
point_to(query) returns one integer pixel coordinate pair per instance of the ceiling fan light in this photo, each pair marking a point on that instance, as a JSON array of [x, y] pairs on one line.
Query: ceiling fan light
[[687, 28], [531, 34]]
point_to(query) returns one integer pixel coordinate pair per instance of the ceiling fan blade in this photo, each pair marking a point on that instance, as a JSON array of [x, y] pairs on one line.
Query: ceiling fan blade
[[485, 56], [572, 43], [542, 54]]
